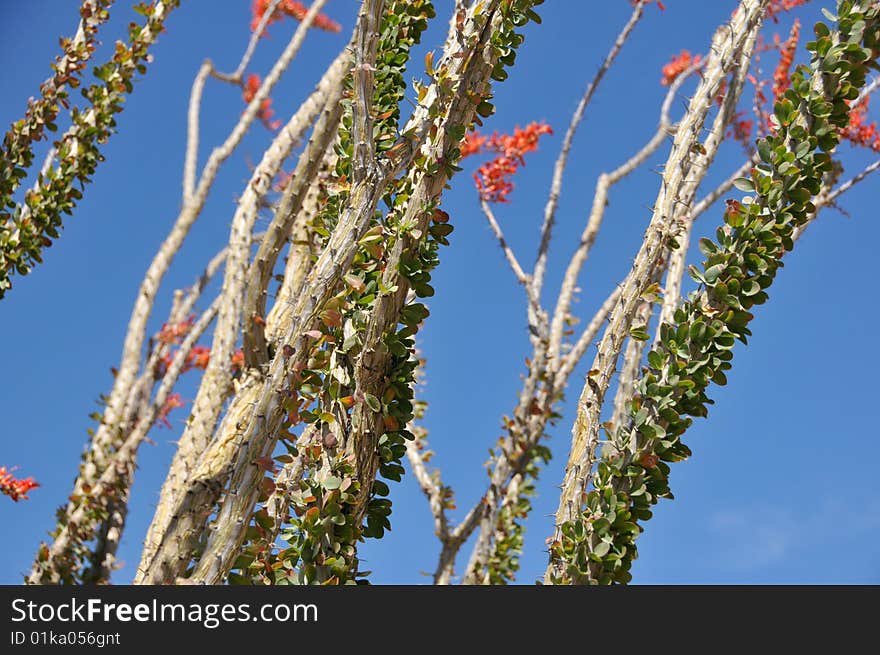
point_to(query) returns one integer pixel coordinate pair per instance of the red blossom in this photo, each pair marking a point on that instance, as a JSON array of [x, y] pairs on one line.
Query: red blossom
[[678, 65], [522, 140], [237, 361], [493, 179], [175, 332], [265, 112], [198, 358], [296, 10], [13, 487], [777, 7], [473, 144], [781, 76], [171, 402], [741, 130], [860, 132]]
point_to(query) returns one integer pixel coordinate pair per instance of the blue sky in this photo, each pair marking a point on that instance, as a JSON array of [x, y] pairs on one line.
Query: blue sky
[[780, 487]]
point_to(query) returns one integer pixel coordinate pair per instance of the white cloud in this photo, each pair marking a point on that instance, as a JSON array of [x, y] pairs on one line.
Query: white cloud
[[760, 536]]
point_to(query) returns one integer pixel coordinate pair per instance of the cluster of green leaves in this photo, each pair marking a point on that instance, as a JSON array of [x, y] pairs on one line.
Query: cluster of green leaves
[[320, 534], [25, 229], [323, 526], [632, 474], [507, 39]]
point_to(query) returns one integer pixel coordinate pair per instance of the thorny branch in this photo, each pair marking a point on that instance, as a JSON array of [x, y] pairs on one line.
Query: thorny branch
[[731, 45]]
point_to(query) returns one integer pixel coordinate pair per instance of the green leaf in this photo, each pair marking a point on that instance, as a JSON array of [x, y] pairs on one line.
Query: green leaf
[[639, 333], [372, 402], [485, 109], [765, 150], [712, 273], [602, 548], [744, 184], [750, 288], [707, 247], [698, 331], [331, 483]]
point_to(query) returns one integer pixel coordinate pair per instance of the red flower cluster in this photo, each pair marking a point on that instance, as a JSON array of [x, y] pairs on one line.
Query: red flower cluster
[[781, 76], [14, 488], [198, 357], [174, 333], [777, 7], [265, 113], [860, 132], [473, 144], [290, 8], [171, 402], [741, 130], [493, 178], [678, 65]]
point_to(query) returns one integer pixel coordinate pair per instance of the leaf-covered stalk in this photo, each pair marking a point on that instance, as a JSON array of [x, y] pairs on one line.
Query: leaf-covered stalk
[[17, 154], [367, 368], [598, 545], [26, 228]]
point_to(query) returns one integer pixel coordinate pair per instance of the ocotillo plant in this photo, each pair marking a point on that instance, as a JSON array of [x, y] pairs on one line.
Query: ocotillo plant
[[307, 413]]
